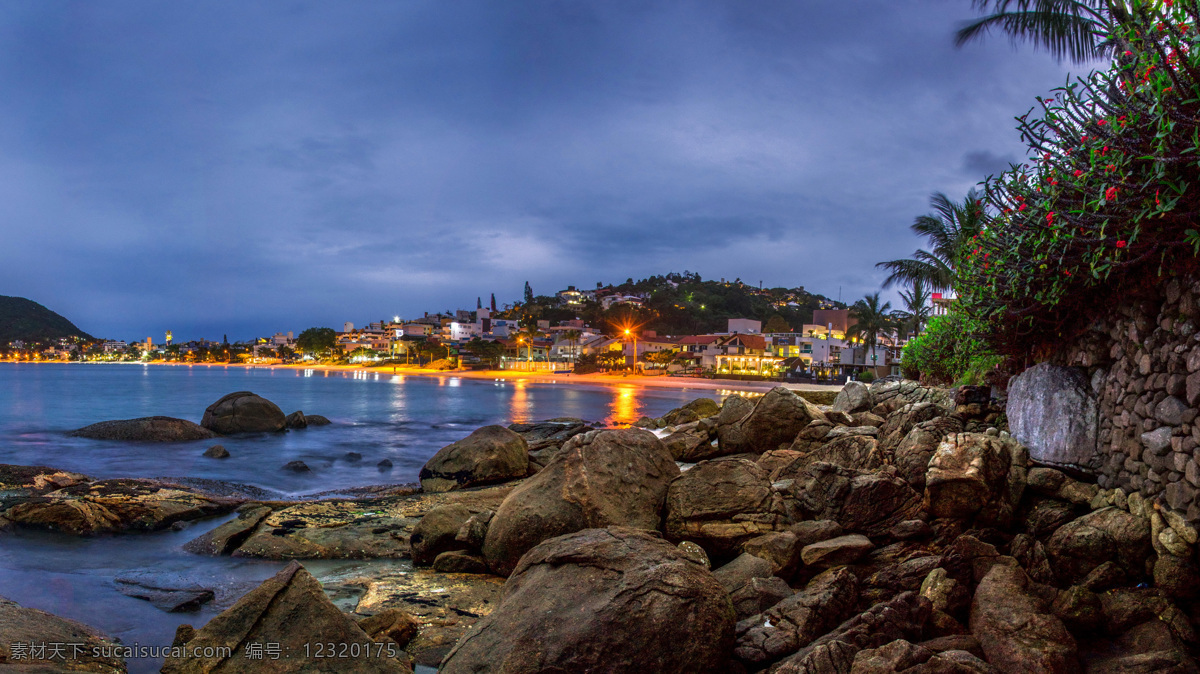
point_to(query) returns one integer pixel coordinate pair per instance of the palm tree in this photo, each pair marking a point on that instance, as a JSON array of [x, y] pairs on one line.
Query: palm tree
[[872, 319], [573, 339], [916, 305], [948, 230], [1072, 29]]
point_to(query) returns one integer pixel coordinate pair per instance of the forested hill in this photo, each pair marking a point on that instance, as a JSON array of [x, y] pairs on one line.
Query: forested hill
[[28, 321]]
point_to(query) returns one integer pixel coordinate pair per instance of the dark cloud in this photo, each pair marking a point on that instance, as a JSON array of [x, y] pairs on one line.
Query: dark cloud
[[247, 167]]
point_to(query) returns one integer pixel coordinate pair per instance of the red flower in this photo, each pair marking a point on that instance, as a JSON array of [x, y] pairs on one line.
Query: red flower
[[1110, 194], [1121, 243], [1050, 218], [1066, 273], [1101, 122], [1021, 207], [1079, 173]]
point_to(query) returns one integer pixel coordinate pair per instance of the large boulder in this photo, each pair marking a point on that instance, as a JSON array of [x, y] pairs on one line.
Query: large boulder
[[489, 455], [854, 397], [700, 408], [867, 503], [84, 647], [146, 429], [901, 617], [976, 475], [858, 452], [1053, 411], [912, 455], [776, 419], [720, 504], [903, 420], [1108, 534], [1015, 627], [243, 412], [599, 479], [793, 623], [109, 506], [437, 532], [289, 610], [611, 600]]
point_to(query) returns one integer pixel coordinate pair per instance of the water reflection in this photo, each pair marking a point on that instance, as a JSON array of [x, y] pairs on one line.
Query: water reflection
[[625, 407], [518, 406]]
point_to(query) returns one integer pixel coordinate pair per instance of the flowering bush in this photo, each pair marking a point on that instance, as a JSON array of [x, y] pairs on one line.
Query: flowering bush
[[947, 352], [1108, 201]]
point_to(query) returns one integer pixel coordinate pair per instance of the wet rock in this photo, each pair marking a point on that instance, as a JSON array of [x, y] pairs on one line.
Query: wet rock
[[385, 464], [854, 397], [691, 445], [615, 599], [600, 478], [146, 429], [460, 561], [976, 475], [226, 538], [489, 455], [289, 609], [217, 452], [109, 506], [394, 624], [700, 408], [296, 420], [243, 412], [721, 504], [836, 551], [437, 532], [316, 420], [353, 457], [796, 621], [473, 532], [297, 467], [171, 593], [1053, 411], [776, 419], [19, 625], [867, 503], [1108, 534], [1016, 629]]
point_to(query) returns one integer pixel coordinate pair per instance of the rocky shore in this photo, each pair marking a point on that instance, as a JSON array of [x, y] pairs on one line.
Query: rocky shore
[[900, 528]]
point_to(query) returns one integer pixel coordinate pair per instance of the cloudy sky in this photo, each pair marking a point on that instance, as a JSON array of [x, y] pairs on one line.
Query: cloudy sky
[[246, 167]]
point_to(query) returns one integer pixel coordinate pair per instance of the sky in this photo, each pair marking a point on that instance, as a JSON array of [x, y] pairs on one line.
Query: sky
[[242, 168]]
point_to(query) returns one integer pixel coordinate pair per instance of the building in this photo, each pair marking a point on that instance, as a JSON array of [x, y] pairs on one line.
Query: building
[[837, 321], [744, 326], [570, 296]]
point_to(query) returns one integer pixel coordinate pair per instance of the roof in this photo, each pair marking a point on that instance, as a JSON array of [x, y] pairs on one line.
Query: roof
[[699, 339]]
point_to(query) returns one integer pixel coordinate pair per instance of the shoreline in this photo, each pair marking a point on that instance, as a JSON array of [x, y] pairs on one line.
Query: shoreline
[[678, 383]]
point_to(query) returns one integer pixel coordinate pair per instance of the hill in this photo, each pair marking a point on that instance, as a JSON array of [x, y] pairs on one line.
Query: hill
[[28, 321]]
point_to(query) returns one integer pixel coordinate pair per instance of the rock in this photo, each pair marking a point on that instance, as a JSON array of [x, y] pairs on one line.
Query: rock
[[601, 478], [902, 617], [394, 624], [316, 420], [19, 625], [741, 570], [1177, 577], [297, 467], [1170, 411], [1053, 411], [776, 419], [857, 452], [912, 455], [796, 621], [1107, 534], [385, 464], [437, 532], [976, 475], [217, 452], [700, 408], [460, 561], [613, 600], [296, 420], [229, 536], [473, 532], [289, 609], [489, 455], [868, 419], [243, 412], [109, 506], [691, 445], [721, 504], [836, 551], [757, 595], [1015, 628], [815, 531], [896, 656], [170, 593], [777, 458], [1158, 440], [901, 422], [1079, 608], [854, 397], [780, 548], [146, 429], [353, 457], [695, 553], [908, 529], [867, 503]]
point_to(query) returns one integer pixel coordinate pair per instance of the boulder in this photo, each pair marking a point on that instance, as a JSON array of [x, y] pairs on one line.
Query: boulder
[[856, 452], [460, 561], [316, 420], [903, 420], [217, 452], [1053, 411], [796, 621], [780, 548], [758, 594], [691, 445], [742, 570], [289, 609], [612, 600], [776, 419], [551, 433], [912, 455], [1109, 534], [902, 617], [169, 592], [976, 475], [700, 408], [1015, 627], [721, 504], [393, 624], [297, 467], [868, 503], [437, 532], [296, 420], [836, 551], [229, 536], [146, 429], [600, 478], [109, 506], [243, 412], [19, 625], [489, 455], [854, 397]]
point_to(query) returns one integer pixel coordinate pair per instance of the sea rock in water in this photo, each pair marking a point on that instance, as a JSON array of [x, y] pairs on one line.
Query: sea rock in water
[[296, 420], [243, 412], [612, 600], [19, 625], [600, 478], [217, 452], [297, 467], [1053, 411], [316, 420], [170, 593], [289, 609], [226, 538], [146, 429], [489, 455]]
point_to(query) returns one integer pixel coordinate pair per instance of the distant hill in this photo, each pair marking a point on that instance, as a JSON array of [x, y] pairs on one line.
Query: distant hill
[[29, 321]]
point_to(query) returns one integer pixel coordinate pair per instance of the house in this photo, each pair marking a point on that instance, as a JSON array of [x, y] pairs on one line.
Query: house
[[744, 326], [745, 354]]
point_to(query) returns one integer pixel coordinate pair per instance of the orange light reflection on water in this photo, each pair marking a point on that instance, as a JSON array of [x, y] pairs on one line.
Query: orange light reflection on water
[[625, 407], [518, 405]]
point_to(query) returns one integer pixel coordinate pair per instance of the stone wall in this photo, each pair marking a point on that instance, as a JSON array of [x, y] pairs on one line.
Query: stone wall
[[1143, 365]]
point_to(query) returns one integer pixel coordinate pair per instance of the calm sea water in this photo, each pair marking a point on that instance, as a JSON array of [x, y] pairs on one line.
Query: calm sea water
[[403, 419]]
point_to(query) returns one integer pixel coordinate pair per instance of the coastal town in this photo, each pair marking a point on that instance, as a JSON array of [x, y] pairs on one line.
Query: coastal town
[[584, 330]]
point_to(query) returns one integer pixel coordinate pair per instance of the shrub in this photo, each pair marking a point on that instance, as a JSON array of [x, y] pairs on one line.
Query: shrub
[[866, 376], [947, 351]]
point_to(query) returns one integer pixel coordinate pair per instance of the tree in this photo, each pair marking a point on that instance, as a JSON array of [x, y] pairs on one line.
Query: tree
[[316, 340], [777, 323], [286, 353], [528, 294], [493, 303], [916, 305], [949, 228], [487, 351], [872, 320], [1066, 28], [572, 336]]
